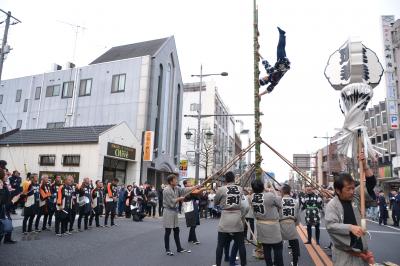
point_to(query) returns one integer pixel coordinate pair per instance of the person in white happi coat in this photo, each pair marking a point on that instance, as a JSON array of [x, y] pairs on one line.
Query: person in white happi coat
[[266, 206], [289, 219], [229, 198], [172, 195], [343, 219]]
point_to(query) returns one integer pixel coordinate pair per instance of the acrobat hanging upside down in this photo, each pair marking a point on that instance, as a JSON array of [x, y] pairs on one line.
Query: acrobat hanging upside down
[[282, 65]]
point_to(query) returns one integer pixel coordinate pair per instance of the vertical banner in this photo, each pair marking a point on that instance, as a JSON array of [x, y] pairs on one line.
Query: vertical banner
[[148, 146], [391, 93]]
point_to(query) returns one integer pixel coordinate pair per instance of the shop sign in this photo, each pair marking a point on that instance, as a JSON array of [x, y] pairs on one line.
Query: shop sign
[[120, 151], [148, 146]]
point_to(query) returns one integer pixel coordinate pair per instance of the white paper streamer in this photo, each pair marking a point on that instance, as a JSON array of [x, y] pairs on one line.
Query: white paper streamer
[[354, 99]]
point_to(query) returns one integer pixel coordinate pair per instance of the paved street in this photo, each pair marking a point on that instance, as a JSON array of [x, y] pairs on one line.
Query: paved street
[[130, 243], [141, 244]]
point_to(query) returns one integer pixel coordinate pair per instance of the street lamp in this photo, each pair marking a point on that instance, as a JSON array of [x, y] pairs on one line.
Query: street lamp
[[328, 140], [197, 154], [188, 134]]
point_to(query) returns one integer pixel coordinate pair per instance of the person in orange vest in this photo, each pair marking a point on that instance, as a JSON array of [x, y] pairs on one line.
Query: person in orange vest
[[31, 192], [44, 196], [53, 198], [64, 207], [97, 203], [111, 201], [85, 203]]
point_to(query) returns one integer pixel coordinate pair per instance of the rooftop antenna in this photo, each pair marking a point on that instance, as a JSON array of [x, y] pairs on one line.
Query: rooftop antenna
[[77, 28]]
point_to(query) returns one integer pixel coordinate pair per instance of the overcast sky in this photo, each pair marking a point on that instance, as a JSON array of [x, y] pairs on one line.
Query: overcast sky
[[217, 34]]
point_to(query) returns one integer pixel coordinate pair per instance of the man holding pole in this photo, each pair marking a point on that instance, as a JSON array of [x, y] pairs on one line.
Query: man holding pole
[[344, 215]]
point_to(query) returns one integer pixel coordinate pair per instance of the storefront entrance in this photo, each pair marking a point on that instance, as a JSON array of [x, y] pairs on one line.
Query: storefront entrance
[[114, 168]]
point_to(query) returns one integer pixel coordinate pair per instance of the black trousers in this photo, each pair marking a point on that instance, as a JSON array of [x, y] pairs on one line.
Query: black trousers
[[309, 232], [62, 220], [128, 212], [85, 215], [41, 211], [95, 213], [151, 207], [277, 248], [160, 208], [223, 239], [251, 222], [110, 209], [383, 216], [176, 238], [29, 220], [396, 217], [192, 234], [7, 237], [52, 210], [71, 220], [294, 244]]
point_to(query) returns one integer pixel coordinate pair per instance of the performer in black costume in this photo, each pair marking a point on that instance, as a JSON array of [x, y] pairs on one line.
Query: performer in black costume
[[282, 65], [312, 204]]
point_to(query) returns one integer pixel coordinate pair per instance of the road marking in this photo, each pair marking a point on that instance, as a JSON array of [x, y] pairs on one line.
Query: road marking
[[389, 226], [311, 251], [320, 252]]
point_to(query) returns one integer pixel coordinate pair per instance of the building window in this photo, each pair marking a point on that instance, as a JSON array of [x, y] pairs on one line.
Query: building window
[[19, 123], [68, 88], [55, 125], [47, 160], [118, 83], [71, 160], [1, 98], [378, 139], [18, 96], [159, 96], [85, 87], [3, 130], [378, 120], [385, 137], [372, 122], [38, 91], [384, 118], [53, 90], [26, 105], [391, 134], [373, 140]]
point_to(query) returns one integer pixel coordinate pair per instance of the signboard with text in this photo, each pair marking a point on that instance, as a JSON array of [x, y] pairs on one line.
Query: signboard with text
[[148, 146], [391, 93], [120, 151]]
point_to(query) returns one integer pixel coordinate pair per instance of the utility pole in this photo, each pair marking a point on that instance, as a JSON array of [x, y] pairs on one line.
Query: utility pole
[[257, 123], [4, 47]]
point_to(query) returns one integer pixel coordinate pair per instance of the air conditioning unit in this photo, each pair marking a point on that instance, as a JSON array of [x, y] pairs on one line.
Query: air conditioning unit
[[69, 65], [56, 67]]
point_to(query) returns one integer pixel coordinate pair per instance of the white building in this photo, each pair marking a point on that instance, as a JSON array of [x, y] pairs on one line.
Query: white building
[[218, 150], [98, 152], [139, 84]]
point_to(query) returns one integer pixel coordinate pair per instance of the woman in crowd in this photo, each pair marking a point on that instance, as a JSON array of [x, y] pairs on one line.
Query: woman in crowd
[[6, 204], [128, 201], [151, 202]]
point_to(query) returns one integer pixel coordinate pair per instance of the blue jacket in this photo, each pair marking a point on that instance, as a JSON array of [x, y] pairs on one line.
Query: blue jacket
[[121, 195], [382, 203], [396, 203]]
